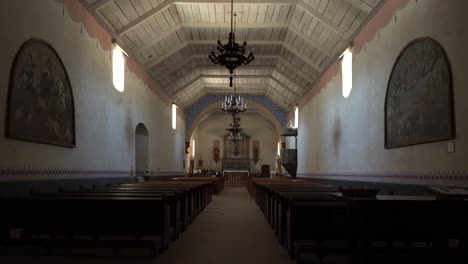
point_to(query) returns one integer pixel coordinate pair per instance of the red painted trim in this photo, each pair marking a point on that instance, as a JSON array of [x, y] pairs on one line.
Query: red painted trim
[[80, 14], [368, 32]]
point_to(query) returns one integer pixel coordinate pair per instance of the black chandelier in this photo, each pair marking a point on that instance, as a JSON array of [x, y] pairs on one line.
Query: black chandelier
[[231, 55]]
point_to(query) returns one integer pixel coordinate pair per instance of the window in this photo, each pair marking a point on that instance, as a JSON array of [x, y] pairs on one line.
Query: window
[[279, 148], [193, 147], [296, 116], [174, 116], [118, 68], [347, 72]]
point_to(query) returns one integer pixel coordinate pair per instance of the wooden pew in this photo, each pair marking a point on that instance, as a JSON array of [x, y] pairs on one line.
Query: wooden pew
[[217, 181], [173, 202], [306, 216], [417, 227], [201, 191], [182, 206], [64, 217]]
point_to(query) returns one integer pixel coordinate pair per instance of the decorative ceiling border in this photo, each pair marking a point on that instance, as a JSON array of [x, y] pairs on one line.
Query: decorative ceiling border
[[195, 109], [79, 13]]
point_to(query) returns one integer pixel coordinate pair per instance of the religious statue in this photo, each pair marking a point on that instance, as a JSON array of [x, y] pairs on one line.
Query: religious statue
[[192, 164], [280, 169]]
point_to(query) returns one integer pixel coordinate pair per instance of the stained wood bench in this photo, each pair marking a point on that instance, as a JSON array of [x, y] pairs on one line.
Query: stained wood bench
[[182, 194], [67, 217], [317, 219], [173, 202]]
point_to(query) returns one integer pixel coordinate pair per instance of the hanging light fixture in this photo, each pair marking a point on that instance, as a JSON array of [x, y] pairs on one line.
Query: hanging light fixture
[[231, 55], [234, 104], [235, 133]]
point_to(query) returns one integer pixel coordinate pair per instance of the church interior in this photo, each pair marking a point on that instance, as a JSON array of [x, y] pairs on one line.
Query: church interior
[[233, 131]]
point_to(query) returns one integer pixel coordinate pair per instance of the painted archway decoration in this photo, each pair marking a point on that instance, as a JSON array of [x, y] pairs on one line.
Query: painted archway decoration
[[214, 107], [207, 104]]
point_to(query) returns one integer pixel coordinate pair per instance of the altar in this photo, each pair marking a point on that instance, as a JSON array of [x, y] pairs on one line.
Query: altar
[[236, 176], [234, 164]]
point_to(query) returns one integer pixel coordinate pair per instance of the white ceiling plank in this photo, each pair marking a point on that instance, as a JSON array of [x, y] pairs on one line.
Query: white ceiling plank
[[294, 41], [324, 20], [361, 5], [100, 4], [203, 42], [143, 18]]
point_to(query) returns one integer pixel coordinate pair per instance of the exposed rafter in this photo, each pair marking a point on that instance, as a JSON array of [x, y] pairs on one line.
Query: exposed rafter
[[203, 76], [304, 58], [291, 49], [309, 40], [189, 100], [197, 25], [361, 5], [100, 4], [294, 41], [204, 42], [280, 60], [272, 69], [143, 18], [327, 22]]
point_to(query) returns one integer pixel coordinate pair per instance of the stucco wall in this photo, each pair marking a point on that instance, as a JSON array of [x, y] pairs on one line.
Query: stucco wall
[[254, 125], [344, 137], [105, 118]]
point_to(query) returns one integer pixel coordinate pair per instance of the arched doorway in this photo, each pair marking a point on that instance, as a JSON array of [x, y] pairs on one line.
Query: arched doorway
[[141, 149]]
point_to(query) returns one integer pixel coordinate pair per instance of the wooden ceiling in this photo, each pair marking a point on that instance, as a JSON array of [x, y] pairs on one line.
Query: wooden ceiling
[[294, 41]]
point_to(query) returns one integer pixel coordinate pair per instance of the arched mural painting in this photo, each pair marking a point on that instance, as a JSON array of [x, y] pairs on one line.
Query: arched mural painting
[[419, 101]]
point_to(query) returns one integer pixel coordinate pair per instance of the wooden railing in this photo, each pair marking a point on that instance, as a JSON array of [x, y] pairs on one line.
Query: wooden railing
[[236, 177]]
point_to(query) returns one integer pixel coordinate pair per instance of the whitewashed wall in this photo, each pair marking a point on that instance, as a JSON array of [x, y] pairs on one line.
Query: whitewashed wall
[[340, 135], [254, 125], [105, 118]]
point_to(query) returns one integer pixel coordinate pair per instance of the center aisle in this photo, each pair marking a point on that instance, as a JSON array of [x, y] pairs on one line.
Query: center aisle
[[230, 230]]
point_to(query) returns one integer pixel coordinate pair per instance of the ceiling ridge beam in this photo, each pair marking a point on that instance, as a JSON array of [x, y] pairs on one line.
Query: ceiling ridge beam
[[168, 3], [267, 2]]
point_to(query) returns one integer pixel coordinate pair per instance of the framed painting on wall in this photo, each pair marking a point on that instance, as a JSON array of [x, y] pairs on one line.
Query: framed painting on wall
[[40, 100], [419, 99]]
